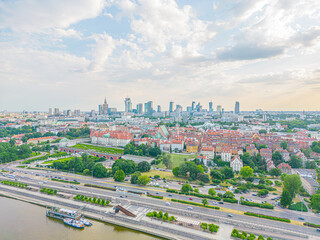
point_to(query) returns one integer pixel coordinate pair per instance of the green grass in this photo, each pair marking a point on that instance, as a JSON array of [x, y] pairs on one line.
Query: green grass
[[33, 154], [115, 151], [58, 160], [298, 207], [21, 166], [177, 159]]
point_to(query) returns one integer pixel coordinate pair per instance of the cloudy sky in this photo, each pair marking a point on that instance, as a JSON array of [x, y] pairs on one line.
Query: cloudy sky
[[73, 53]]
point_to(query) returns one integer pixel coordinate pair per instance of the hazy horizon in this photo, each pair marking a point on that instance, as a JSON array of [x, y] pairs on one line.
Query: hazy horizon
[[72, 54]]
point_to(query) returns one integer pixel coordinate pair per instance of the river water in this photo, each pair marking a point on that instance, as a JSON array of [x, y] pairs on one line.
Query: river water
[[24, 221]]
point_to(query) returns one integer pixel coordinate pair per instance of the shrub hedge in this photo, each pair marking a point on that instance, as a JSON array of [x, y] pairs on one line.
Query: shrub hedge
[[311, 225], [230, 200], [194, 203], [267, 217], [154, 196], [253, 204]]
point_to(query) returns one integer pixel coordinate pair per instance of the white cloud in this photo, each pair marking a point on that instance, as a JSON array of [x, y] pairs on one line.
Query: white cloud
[[39, 15]]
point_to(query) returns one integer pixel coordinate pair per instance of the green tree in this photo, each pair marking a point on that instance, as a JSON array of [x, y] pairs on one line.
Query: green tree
[[143, 166], [166, 160], [277, 158], [284, 144], [175, 171], [205, 202], [275, 172], [86, 172], [134, 177], [295, 162], [262, 131], [186, 188], [292, 183], [143, 180], [315, 201], [228, 172], [286, 198], [212, 192], [228, 194], [119, 176], [99, 171], [204, 226], [246, 172]]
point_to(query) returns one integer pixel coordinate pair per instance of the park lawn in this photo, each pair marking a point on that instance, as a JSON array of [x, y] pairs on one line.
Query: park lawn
[[58, 160], [98, 148], [163, 174], [33, 154], [177, 159]]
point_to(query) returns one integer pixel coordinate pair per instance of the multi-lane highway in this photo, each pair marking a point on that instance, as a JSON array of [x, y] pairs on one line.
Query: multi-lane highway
[[34, 180]]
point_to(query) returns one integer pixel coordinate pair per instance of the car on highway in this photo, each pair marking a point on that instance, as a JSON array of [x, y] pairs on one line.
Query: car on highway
[[318, 229], [170, 195], [122, 196], [190, 198], [214, 203], [179, 182], [301, 218], [221, 203], [77, 188], [253, 194], [189, 208], [167, 203], [229, 215]]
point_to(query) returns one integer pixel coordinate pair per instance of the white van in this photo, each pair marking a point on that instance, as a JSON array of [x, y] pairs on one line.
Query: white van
[[167, 203]]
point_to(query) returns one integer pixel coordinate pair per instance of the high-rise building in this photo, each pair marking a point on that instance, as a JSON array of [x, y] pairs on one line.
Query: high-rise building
[[198, 108], [159, 108], [103, 109], [237, 108], [148, 107], [50, 111], [219, 109], [193, 105], [56, 111], [171, 106], [179, 108], [77, 112], [69, 113], [128, 105], [139, 108], [210, 106]]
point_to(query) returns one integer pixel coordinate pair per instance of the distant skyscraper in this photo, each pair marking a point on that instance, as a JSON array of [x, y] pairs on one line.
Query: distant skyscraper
[[198, 107], [179, 108], [139, 108], [128, 105], [210, 106], [77, 112], [50, 111], [69, 113], [237, 108], [219, 109], [103, 109], [171, 106], [56, 111], [193, 105], [159, 108], [148, 107]]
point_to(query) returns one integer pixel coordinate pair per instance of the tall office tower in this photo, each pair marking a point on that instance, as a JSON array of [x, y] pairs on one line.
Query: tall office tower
[[189, 109], [222, 111], [103, 109], [69, 113], [171, 106], [93, 113], [139, 108], [210, 107], [148, 107], [159, 108], [179, 108], [50, 111], [100, 109], [128, 105], [56, 111], [237, 108], [77, 112], [219, 109], [193, 105], [198, 108]]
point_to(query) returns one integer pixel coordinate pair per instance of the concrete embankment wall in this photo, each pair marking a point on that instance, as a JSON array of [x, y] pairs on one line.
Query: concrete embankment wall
[[142, 226]]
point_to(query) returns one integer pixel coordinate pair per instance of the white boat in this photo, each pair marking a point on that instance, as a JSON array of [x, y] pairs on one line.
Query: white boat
[[73, 223], [85, 222]]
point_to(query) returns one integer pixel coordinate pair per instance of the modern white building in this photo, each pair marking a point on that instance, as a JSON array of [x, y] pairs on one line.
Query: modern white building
[[226, 154]]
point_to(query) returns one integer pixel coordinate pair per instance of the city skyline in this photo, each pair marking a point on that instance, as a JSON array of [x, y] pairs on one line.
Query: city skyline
[[263, 54]]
